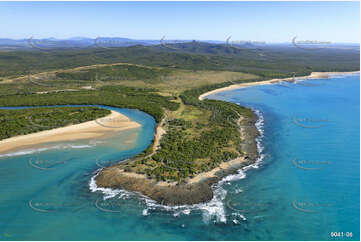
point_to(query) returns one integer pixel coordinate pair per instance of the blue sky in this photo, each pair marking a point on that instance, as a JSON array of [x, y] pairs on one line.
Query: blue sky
[[256, 21]]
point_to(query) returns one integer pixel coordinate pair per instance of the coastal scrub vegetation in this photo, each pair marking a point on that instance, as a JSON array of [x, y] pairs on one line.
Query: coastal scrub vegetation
[[117, 96], [117, 72], [207, 134]]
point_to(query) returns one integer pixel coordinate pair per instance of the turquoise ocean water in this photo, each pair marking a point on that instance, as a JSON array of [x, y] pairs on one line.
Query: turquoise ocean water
[[306, 187]]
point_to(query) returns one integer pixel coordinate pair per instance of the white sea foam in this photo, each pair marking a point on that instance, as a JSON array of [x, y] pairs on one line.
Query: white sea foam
[[23, 152], [145, 212], [241, 216], [239, 190], [38, 150], [108, 192], [210, 210]]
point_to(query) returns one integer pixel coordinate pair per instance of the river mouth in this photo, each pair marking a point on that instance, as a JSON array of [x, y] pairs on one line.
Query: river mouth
[[81, 135]]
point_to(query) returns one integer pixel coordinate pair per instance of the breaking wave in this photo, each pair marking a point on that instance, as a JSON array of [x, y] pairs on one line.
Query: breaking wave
[[58, 147]]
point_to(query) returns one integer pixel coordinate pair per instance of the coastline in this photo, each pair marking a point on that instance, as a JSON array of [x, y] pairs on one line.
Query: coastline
[[107, 125], [313, 75], [195, 190]]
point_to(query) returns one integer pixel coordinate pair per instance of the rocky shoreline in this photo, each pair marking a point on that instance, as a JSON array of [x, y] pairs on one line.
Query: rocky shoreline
[[192, 191]]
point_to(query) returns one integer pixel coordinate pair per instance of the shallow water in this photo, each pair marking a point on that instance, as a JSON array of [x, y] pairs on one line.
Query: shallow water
[[306, 187]]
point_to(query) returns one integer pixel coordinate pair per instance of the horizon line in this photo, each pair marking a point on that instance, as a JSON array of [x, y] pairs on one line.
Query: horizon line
[[175, 39]]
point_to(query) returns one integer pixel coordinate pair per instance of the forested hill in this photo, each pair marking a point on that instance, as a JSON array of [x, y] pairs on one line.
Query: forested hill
[[264, 60]]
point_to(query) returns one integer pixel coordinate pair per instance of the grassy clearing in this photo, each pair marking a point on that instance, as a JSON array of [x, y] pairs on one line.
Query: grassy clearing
[[167, 81], [180, 80]]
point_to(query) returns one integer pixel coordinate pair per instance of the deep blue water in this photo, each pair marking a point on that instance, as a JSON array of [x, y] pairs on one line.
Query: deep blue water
[[307, 185]]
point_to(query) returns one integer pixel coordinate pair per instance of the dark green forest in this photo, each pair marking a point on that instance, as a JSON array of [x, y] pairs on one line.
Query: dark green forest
[[117, 96], [266, 61]]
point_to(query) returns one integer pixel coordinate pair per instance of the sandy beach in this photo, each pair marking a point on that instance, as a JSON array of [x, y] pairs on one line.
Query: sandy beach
[[114, 122], [313, 75]]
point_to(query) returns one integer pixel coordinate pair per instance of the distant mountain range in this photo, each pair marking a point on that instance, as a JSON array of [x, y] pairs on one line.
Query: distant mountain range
[[112, 42], [78, 42]]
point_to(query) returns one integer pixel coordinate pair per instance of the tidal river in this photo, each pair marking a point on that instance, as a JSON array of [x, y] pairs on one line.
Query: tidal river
[[306, 187]]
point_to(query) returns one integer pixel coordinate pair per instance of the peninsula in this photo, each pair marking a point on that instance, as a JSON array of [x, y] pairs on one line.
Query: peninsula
[[189, 181], [198, 141]]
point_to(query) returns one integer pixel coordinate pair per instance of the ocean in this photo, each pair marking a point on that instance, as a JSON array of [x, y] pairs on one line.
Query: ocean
[[306, 186]]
